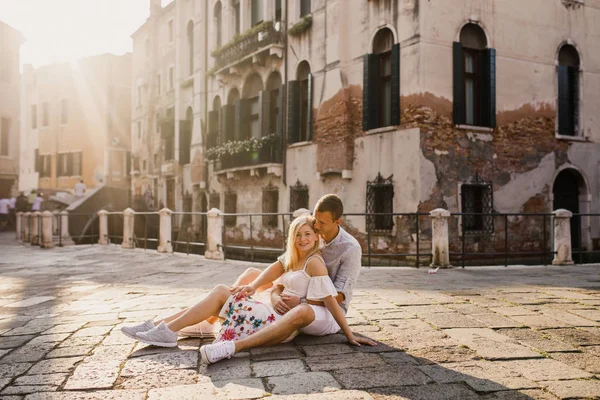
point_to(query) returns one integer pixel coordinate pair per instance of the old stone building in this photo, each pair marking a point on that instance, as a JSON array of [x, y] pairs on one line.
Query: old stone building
[[475, 106], [76, 124], [10, 43]]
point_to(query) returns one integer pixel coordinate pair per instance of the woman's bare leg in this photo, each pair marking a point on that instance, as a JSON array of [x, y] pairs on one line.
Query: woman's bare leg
[[207, 307]]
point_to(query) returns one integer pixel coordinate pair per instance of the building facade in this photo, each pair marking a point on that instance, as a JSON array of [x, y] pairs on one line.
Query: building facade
[[396, 106], [10, 43], [76, 124]]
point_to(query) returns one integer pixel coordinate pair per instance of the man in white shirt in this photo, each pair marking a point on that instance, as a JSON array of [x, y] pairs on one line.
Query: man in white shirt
[[37, 202], [80, 189]]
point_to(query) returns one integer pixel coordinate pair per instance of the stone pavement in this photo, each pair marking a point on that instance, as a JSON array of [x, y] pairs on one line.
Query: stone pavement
[[478, 333]]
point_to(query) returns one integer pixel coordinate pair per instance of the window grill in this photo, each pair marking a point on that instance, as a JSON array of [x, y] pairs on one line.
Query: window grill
[[380, 199], [298, 196], [270, 199], [230, 206], [477, 197]]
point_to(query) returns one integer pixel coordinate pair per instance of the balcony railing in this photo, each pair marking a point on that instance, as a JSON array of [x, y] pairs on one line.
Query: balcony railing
[[268, 154], [247, 44]]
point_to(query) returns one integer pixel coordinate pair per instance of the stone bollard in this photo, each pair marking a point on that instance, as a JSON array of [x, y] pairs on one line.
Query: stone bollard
[[55, 222], [35, 228], [164, 236], [214, 236], [440, 252], [26, 227], [103, 222], [65, 238], [19, 225], [128, 223], [562, 237], [47, 242]]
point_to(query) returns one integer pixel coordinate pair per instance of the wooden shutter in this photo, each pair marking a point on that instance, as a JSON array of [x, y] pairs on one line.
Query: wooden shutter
[[213, 129], [185, 132], [264, 100], [489, 88], [69, 164], [37, 160], [395, 114], [565, 101], [293, 112], [228, 122], [242, 114], [458, 84], [309, 116], [370, 90]]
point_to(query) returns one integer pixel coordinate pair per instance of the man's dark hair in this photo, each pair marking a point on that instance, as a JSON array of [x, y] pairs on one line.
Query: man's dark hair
[[332, 204]]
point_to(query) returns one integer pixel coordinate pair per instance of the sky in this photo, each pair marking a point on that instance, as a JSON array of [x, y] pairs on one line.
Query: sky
[[65, 30]]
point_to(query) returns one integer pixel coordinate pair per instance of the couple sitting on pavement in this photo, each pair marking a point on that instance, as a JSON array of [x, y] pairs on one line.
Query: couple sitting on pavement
[[313, 288]]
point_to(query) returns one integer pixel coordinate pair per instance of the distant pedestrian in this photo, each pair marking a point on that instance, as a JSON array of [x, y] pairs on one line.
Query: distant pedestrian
[[31, 198], [80, 189], [149, 198], [22, 204], [3, 214], [12, 213], [37, 203]]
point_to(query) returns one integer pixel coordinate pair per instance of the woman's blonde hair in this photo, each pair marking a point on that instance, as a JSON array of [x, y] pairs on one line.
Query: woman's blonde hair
[[292, 252]]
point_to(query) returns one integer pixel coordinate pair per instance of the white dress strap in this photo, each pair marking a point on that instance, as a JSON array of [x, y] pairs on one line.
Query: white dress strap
[[308, 259]]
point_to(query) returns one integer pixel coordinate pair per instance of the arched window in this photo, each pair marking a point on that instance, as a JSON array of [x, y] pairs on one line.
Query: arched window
[[251, 108], [185, 136], [229, 116], [474, 79], [568, 91], [218, 24], [190, 42], [381, 88], [300, 105], [214, 124]]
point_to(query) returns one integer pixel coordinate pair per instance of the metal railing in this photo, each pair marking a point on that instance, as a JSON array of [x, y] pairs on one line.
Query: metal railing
[[188, 232], [580, 254], [248, 45]]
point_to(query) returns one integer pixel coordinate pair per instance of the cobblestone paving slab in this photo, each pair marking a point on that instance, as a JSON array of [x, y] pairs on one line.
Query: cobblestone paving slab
[[70, 351], [28, 353], [428, 392], [100, 395], [304, 383], [47, 379], [278, 367], [163, 379], [94, 375], [330, 349], [489, 344], [535, 394], [452, 320], [11, 370], [343, 361], [539, 321], [202, 391], [364, 378], [586, 388], [496, 321], [544, 369], [28, 389], [240, 389], [159, 363], [238, 367], [537, 339], [32, 301], [3, 352], [339, 395], [577, 337], [10, 342], [585, 361], [433, 355], [55, 365]]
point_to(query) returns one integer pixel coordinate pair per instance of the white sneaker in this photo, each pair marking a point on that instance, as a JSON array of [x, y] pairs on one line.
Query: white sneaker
[[161, 336], [211, 353], [131, 331]]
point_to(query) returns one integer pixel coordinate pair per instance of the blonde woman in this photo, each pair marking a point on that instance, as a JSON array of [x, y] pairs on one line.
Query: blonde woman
[[303, 275]]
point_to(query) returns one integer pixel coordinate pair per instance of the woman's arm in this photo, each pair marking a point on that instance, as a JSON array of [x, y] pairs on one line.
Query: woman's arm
[[278, 304], [272, 272]]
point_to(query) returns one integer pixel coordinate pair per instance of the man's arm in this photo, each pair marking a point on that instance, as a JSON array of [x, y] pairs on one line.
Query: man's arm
[[347, 274]]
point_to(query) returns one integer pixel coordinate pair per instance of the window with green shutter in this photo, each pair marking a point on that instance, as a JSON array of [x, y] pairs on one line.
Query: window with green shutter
[[568, 91]]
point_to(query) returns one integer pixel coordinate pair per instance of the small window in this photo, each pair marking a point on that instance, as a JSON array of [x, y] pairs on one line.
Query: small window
[[33, 116], [139, 95], [477, 198], [171, 31], [45, 166], [380, 200], [568, 91], [278, 10], [298, 196], [139, 129], [144, 166], [4, 137], [158, 85], [64, 111], [270, 200], [190, 42], [236, 17], [169, 150], [45, 114], [230, 207], [305, 8], [218, 23], [474, 79], [381, 83]]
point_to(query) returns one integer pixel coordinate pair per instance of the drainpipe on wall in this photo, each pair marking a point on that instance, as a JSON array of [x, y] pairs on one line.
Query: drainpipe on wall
[[206, 180], [284, 24]]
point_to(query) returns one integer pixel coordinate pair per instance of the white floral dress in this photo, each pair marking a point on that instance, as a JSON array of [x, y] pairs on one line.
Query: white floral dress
[[243, 315]]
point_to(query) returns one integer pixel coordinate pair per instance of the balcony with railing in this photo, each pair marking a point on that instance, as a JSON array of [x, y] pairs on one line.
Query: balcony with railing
[[269, 157], [255, 42]]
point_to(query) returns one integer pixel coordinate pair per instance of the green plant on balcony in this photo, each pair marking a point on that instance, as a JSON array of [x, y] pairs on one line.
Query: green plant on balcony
[[238, 38], [239, 146], [300, 27]]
